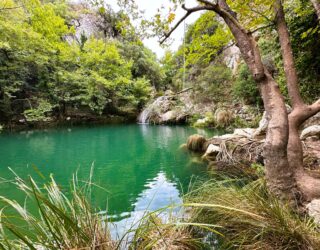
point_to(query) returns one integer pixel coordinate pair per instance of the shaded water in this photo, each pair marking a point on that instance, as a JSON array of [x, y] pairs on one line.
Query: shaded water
[[140, 166]]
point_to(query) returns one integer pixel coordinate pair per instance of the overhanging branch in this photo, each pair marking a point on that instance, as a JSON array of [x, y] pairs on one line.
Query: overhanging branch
[[261, 28], [189, 11]]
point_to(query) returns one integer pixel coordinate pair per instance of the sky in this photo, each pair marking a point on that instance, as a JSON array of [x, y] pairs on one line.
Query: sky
[[150, 7]]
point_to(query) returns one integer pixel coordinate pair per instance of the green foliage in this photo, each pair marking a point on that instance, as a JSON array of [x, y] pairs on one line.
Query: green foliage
[[204, 42], [169, 68], [305, 38], [259, 169], [144, 63], [245, 88], [213, 82], [40, 113], [41, 56], [204, 39]]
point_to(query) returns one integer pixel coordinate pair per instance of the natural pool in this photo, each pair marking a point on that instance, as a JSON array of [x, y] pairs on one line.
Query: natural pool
[[139, 167]]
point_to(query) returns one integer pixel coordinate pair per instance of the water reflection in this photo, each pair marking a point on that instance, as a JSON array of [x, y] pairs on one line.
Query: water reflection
[[158, 193]]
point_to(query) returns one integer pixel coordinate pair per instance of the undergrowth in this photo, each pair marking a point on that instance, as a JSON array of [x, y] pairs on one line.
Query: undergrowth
[[250, 217]]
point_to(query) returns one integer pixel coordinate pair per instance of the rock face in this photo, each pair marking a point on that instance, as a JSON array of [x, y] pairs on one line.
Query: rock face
[[171, 109], [232, 58]]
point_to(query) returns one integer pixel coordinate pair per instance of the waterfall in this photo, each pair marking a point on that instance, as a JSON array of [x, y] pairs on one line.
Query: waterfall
[[152, 109], [144, 116]]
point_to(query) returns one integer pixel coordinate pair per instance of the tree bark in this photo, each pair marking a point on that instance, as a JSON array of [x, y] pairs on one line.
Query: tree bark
[[308, 186], [316, 6]]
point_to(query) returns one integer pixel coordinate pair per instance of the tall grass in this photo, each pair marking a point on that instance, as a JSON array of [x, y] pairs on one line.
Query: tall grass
[[237, 216], [251, 217], [174, 233], [61, 222]]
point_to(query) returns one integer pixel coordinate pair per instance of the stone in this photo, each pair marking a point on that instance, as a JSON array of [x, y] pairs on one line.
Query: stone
[[244, 132], [310, 131], [227, 136], [263, 125], [313, 209], [212, 150], [314, 120]]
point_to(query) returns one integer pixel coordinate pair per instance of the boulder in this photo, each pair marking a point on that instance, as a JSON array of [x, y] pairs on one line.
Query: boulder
[[212, 150], [313, 209], [314, 120], [263, 124], [244, 132], [310, 131]]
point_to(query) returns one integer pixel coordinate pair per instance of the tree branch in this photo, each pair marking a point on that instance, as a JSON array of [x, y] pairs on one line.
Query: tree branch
[[261, 28], [260, 13], [315, 107], [188, 13], [10, 8]]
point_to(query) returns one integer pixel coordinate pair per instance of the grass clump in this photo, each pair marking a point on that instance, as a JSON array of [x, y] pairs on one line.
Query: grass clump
[[61, 222], [156, 234], [196, 143], [251, 217]]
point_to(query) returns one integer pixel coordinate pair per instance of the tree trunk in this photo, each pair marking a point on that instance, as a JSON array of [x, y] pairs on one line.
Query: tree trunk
[[308, 186], [280, 177]]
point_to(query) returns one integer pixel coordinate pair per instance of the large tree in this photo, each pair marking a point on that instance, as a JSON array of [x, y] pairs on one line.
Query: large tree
[[283, 151]]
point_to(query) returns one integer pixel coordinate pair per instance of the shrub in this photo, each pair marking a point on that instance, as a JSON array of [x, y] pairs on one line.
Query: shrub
[[245, 87], [223, 118], [40, 113]]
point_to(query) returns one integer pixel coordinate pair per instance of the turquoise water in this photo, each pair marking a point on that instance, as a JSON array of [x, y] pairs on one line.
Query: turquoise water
[[139, 166]]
